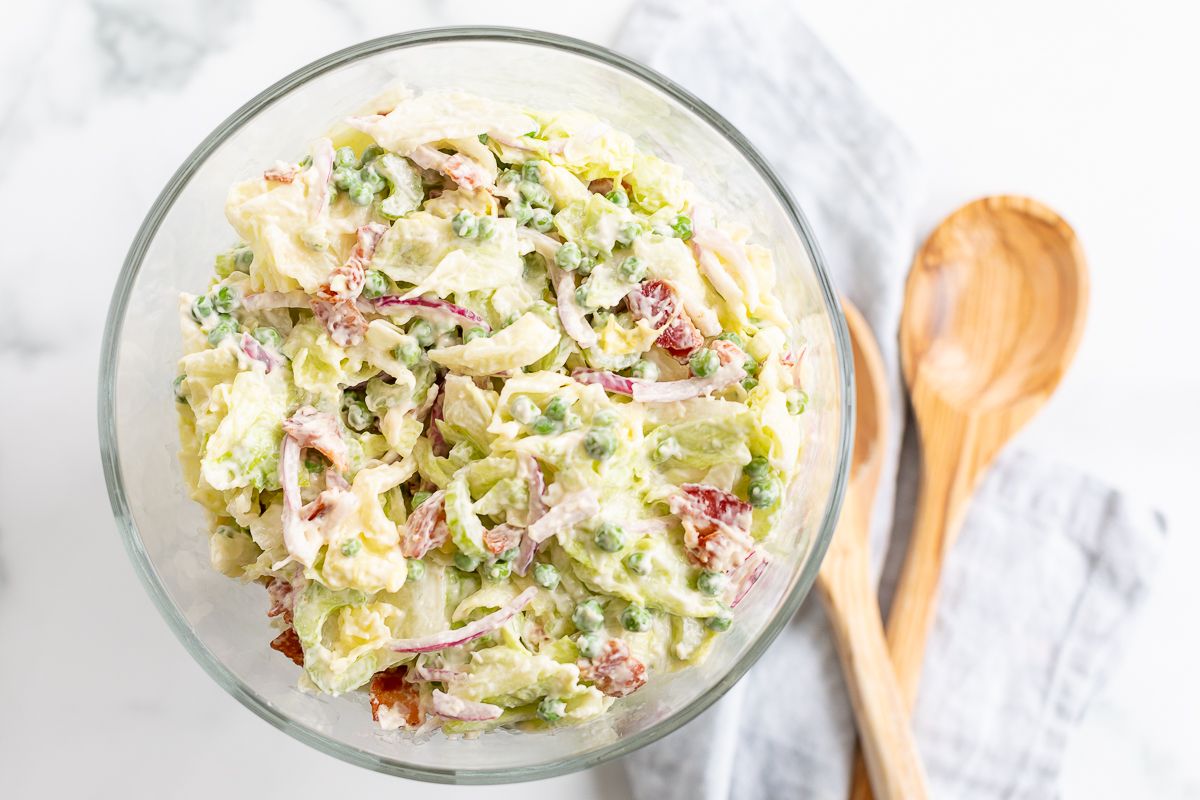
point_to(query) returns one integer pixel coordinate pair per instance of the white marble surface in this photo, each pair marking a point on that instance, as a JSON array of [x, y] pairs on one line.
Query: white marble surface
[[1083, 105]]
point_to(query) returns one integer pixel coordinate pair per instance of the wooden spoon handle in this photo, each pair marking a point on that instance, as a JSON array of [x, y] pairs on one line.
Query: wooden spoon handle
[[892, 760], [948, 477]]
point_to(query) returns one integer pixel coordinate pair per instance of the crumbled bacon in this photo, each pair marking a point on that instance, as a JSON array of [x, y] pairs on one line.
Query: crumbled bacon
[[320, 431], [658, 303], [426, 527], [281, 173], [501, 538], [283, 597], [288, 643], [615, 671], [344, 282], [391, 692], [601, 186], [716, 526], [344, 323]]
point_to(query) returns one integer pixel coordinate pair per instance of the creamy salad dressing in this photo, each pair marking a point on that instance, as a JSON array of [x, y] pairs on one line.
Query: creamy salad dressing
[[494, 407]]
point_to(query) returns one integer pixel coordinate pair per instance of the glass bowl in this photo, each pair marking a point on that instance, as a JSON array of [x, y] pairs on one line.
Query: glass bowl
[[222, 622]]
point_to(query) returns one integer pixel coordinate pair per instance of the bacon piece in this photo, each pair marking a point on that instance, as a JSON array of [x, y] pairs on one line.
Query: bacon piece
[[343, 321], [288, 643], [501, 538], [467, 173], [615, 671], [657, 302], [318, 430], [281, 173], [469, 632], [346, 282], [398, 699], [283, 598], [716, 526], [426, 527], [601, 186]]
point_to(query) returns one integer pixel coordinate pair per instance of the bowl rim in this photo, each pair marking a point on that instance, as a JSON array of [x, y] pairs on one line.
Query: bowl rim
[[110, 348]]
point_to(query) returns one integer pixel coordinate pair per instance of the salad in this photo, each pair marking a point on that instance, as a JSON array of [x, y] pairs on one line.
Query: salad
[[496, 410]]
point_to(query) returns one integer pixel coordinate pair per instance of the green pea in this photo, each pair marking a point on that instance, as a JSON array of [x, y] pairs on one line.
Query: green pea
[[346, 178], [487, 228], [531, 171], [638, 563], [551, 709], [420, 497], [351, 548], [508, 176], [361, 195], [520, 211], [711, 584], [545, 575], [588, 616], [541, 220], [581, 296], [544, 426], [226, 327], [556, 409], [644, 370], [523, 409], [358, 416], [682, 226], [483, 138], [422, 331], [629, 232], [730, 336], [750, 365], [344, 157], [758, 467], [609, 537], [408, 354], [509, 554], [604, 418], [224, 299], [632, 269], [586, 265], [618, 197], [796, 401], [177, 386], [590, 644], [763, 492], [464, 225], [497, 571], [636, 619], [202, 309], [375, 284], [600, 443], [372, 179], [572, 422], [466, 563], [719, 623], [471, 334], [749, 383], [535, 194], [416, 569], [704, 362], [568, 256], [372, 152]]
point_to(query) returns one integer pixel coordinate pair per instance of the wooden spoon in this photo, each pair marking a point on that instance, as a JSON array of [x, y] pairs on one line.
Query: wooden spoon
[[850, 600], [994, 309]]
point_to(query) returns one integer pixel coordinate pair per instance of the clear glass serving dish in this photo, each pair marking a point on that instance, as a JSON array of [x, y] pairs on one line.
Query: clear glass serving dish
[[221, 622]]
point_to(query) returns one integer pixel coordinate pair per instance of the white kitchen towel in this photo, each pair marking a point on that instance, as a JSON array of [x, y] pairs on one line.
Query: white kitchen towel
[[1040, 586]]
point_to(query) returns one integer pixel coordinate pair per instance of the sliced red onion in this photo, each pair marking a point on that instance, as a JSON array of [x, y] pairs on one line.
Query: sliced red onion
[[537, 485], [611, 381], [450, 707], [432, 306], [254, 349], [750, 573], [526, 551], [295, 532], [263, 301], [419, 673], [436, 440], [322, 164], [720, 279], [652, 525], [573, 320], [662, 391], [468, 632], [570, 511], [319, 430]]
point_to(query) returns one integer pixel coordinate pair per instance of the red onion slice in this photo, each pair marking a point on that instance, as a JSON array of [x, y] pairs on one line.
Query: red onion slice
[[573, 320], [663, 391], [322, 164], [468, 632], [573, 509], [450, 707], [432, 306], [752, 569], [254, 350]]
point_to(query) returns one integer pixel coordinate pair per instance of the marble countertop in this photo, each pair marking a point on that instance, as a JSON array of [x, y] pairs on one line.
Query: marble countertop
[[101, 101]]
